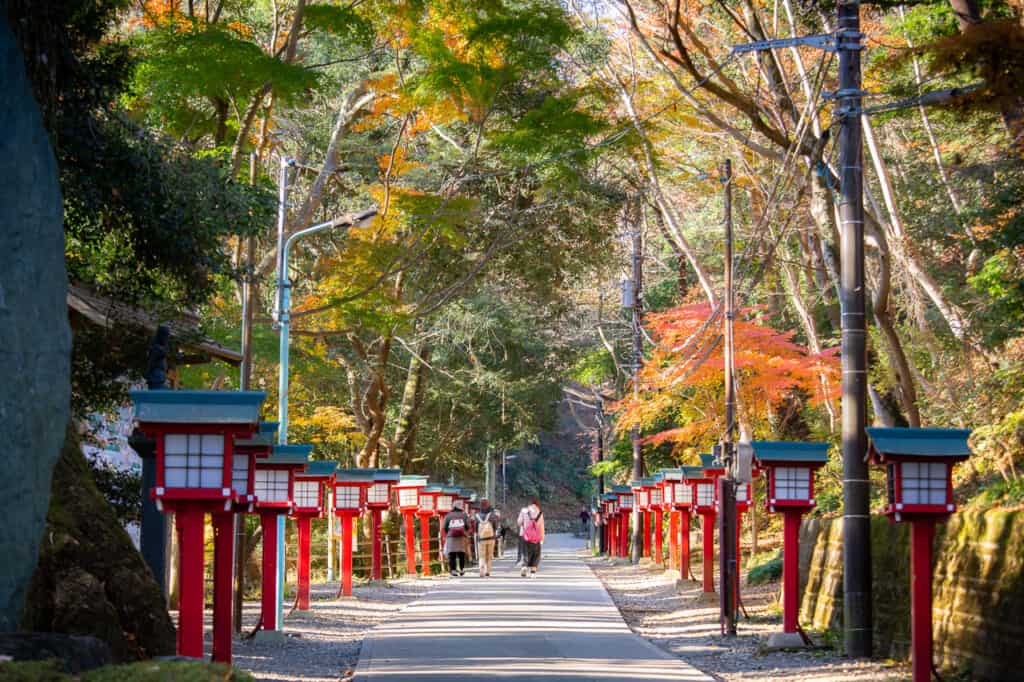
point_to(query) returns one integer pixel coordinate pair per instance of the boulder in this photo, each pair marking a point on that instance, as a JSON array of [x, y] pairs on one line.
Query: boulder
[[35, 341], [74, 654], [91, 580]]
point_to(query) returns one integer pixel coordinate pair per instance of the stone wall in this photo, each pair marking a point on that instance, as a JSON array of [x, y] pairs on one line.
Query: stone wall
[[978, 589]]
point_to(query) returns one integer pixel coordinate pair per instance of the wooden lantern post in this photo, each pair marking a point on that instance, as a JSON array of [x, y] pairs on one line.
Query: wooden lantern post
[[378, 499], [274, 487], [195, 433], [625, 506], [919, 475], [350, 487], [408, 502], [789, 477], [308, 495], [427, 508]]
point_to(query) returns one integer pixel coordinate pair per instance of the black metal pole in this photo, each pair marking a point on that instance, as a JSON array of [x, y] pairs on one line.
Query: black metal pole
[[857, 626], [727, 484]]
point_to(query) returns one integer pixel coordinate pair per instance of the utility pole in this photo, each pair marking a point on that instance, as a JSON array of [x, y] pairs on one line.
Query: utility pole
[[857, 626], [244, 382], [638, 350], [727, 484]]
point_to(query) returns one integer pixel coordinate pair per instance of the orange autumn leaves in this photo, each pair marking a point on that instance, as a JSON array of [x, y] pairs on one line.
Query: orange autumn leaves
[[682, 380]]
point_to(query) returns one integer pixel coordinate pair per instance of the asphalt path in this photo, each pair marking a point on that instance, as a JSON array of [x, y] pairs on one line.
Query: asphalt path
[[560, 626]]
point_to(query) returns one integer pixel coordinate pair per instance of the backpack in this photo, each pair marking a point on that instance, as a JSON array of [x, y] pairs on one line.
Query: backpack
[[457, 527], [531, 531], [485, 527]]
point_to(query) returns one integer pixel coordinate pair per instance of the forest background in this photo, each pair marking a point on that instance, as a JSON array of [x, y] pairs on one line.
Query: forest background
[[504, 157]]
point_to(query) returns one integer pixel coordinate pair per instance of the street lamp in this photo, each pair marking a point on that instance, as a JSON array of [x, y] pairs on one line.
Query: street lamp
[[504, 458]]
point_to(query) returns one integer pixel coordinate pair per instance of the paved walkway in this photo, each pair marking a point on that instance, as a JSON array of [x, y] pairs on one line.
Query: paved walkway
[[560, 626]]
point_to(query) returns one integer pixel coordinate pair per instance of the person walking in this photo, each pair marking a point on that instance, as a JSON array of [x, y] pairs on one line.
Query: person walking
[[456, 528], [584, 522], [520, 524], [533, 538], [486, 534]]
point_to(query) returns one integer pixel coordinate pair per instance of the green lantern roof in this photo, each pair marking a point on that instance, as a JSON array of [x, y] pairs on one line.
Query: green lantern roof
[[658, 477], [609, 497], [709, 461], [907, 442], [692, 472], [771, 451], [672, 474], [318, 470], [622, 490], [381, 475], [412, 481], [353, 475], [433, 490], [198, 407], [288, 454]]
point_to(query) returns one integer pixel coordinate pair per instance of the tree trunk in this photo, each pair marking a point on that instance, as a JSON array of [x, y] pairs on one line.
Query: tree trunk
[[412, 402]]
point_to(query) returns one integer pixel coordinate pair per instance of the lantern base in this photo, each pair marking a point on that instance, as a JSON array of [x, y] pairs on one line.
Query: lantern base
[[706, 598], [781, 641], [269, 637], [619, 561], [685, 583]]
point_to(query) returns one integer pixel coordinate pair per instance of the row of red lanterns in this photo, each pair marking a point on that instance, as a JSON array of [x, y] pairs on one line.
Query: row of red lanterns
[[214, 456], [919, 489]]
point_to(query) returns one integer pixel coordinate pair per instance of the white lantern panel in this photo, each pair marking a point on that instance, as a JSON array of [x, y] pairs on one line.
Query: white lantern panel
[[444, 503], [743, 492], [923, 482], [427, 503], [240, 474], [407, 497], [682, 492], [792, 483], [379, 493], [271, 485], [348, 497], [626, 501], [306, 494], [656, 496], [193, 461], [705, 494]]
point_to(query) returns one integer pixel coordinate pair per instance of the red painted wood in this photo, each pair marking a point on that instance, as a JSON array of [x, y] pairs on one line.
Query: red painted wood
[[708, 525], [647, 534], [921, 533], [376, 570], [658, 542], [223, 585], [268, 593], [790, 569], [302, 526], [346, 554], [684, 545], [614, 529], [189, 523], [410, 543], [624, 534], [673, 540], [425, 543]]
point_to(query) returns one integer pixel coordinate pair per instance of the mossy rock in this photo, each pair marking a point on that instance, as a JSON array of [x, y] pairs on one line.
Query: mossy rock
[[146, 671], [90, 579]]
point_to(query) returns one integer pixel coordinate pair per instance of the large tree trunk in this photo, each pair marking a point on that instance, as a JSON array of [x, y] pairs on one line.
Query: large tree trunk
[[412, 402]]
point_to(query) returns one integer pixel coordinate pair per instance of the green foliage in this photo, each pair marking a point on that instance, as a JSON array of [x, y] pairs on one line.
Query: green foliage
[[999, 493], [340, 22], [32, 671], [121, 488], [167, 671], [764, 567], [185, 76]]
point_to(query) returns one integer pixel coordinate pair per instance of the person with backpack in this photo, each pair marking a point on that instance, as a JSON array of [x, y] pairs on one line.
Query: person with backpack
[[486, 534], [533, 538], [520, 525], [456, 528]]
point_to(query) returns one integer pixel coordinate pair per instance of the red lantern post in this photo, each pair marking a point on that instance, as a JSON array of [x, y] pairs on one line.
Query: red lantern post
[[625, 506], [350, 486], [408, 502], [657, 493], [378, 499], [308, 495], [274, 488], [427, 508], [789, 475], [195, 433], [919, 475], [609, 502], [705, 503], [642, 501]]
